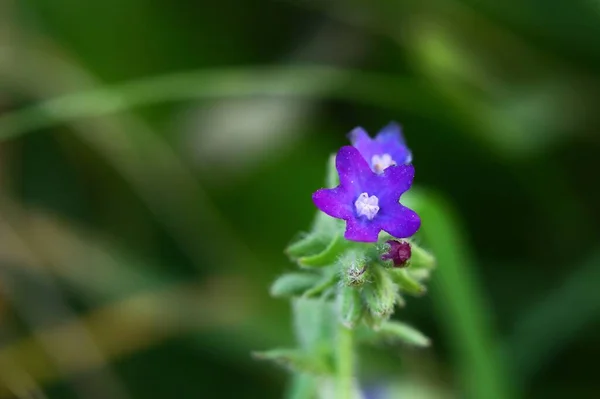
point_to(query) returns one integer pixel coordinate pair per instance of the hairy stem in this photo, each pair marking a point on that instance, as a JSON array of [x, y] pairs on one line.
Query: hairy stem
[[345, 363]]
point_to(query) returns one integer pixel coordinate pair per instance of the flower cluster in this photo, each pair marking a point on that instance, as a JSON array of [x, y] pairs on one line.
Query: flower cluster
[[345, 287], [373, 173]]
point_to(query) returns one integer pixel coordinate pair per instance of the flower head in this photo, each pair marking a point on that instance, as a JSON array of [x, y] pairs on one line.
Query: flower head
[[386, 149], [368, 201], [399, 253]]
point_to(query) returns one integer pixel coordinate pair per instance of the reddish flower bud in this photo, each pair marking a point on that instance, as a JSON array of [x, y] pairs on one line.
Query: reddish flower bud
[[399, 253]]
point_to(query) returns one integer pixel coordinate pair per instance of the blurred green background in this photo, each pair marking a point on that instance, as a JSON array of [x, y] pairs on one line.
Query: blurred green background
[[157, 156]]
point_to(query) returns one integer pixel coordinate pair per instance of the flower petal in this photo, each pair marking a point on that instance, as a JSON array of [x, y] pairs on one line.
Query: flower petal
[[398, 180], [354, 171], [391, 134], [336, 202], [361, 230], [400, 221], [391, 140], [359, 137], [367, 147]]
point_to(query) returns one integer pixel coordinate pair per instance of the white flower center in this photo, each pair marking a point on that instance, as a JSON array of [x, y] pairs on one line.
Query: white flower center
[[381, 162], [367, 206]]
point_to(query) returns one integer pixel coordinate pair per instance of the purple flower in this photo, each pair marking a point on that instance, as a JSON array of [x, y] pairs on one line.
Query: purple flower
[[386, 149], [367, 201], [399, 253]]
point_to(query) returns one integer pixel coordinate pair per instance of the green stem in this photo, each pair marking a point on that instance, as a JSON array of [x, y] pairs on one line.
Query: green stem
[[345, 363]]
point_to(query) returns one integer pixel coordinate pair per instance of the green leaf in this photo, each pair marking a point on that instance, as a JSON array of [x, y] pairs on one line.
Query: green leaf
[[380, 295], [314, 322], [332, 180], [407, 283], [307, 245], [350, 306], [293, 284], [323, 231], [328, 256], [297, 360], [329, 278], [326, 226]]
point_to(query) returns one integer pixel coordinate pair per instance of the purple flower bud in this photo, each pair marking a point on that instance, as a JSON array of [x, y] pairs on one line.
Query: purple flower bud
[[369, 202], [386, 149], [399, 253]]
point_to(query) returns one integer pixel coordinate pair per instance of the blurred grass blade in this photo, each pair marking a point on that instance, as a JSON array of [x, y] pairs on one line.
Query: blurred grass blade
[[131, 147], [460, 303], [298, 81]]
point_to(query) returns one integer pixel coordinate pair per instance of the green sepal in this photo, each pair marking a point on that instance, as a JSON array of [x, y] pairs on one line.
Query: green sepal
[[371, 321], [400, 302], [419, 274], [291, 284], [350, 306], [380, 295], [420, 258], [393, 332], [297, 360], [407, 283], [328, 256]]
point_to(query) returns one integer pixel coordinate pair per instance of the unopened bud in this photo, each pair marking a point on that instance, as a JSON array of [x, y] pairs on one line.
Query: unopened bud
[[353, 269], [399, 253], [380, 294]]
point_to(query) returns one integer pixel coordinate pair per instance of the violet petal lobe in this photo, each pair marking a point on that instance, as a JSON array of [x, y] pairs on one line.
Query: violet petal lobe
[[361, 230], [386, 149], [391, 134], [391, 139], [359, 138], [336, 202], [353, 169], [398, 179], [400, 221]]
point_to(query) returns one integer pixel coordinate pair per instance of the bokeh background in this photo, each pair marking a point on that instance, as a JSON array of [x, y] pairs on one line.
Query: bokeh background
[[157, 156]]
